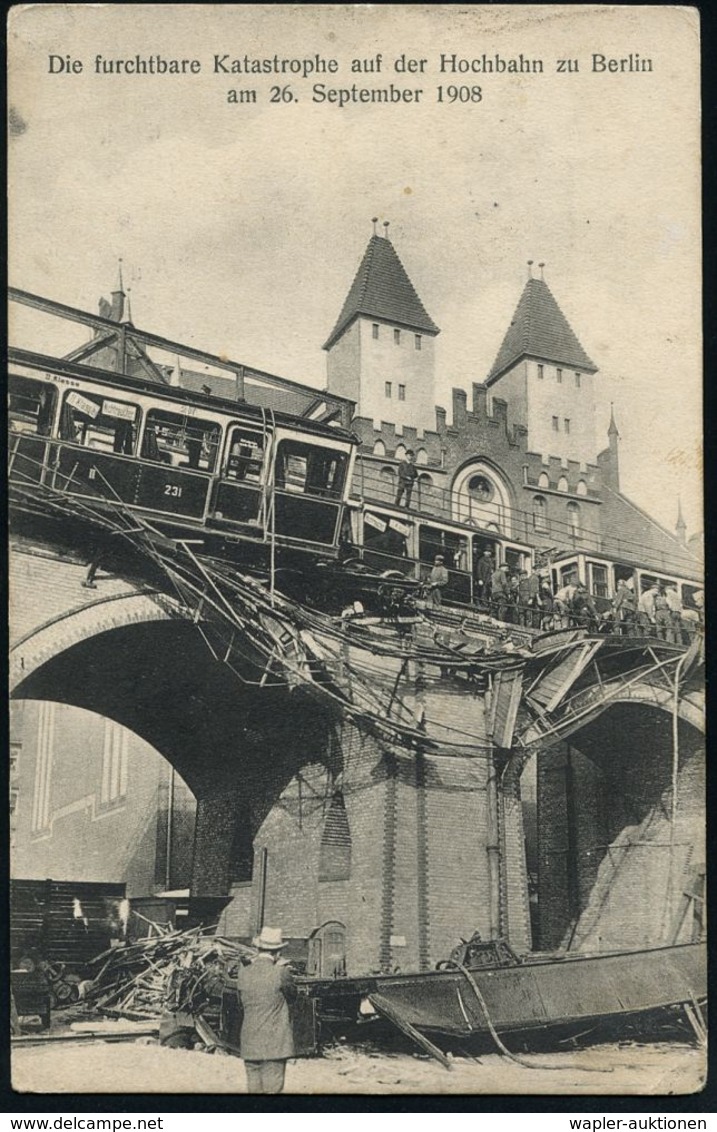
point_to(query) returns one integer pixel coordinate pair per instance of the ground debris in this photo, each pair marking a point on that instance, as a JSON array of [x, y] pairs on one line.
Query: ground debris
[[176, 972]]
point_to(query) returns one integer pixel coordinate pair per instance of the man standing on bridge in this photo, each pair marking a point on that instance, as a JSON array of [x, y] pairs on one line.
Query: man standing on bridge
[[265, 990]]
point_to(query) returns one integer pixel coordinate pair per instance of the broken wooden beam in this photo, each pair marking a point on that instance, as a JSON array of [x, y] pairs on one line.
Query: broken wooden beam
[[387, 1010]]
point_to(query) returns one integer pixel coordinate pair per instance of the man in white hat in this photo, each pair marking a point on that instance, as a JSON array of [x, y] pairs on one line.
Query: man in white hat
[[265, 989]]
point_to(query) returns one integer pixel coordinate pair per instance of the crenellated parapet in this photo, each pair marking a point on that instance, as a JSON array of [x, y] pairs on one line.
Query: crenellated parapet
[[485, 431]]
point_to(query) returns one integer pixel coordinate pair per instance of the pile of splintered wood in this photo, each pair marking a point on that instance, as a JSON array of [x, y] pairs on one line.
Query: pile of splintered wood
[[171, 971]]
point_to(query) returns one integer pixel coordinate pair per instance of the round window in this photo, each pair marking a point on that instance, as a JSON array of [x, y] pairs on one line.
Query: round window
[[481, 488]]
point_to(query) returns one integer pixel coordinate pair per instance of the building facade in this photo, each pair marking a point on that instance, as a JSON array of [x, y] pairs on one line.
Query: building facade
[[94, 802]]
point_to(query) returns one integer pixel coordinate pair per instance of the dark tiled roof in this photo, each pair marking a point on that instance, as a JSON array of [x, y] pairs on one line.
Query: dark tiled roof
[[383, 290], [293, 401], [540, 330]]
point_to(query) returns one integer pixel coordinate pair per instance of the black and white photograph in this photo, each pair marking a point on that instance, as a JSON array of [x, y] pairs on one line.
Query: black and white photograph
[[356, 551]]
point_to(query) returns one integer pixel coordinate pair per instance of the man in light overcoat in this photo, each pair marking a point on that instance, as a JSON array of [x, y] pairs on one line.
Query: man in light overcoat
[[265, 989]]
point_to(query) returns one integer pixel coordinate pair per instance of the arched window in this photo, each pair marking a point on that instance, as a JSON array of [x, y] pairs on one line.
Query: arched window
[[480, 495], [422, 457], [335, 850], [379, 448], [582, 487], [424, 483], [562, 484], [400, 451], [574, 518], [543, 481], [540, 515]]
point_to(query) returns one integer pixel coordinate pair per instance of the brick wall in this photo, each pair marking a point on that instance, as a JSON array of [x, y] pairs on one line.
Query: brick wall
[[425, 854], [612, 872], [459, 869]]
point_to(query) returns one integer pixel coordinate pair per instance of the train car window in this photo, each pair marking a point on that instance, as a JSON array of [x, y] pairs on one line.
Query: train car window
[[599, 581], [692, 596], [623, 574], [453, 547], [516, 559], [385, 535], [246, 455], [307, 469], [180, 439], [99, 422], [31, 406], [568, 575]]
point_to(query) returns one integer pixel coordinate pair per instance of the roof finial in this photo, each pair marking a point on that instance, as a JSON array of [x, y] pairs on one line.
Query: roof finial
[[374, 221], [542, 273], [385, 229], [530, 269], [680, 525], [612, 429], [120, 286]]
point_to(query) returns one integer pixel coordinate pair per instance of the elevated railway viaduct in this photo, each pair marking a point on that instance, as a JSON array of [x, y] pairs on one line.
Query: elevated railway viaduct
[[307, 817]]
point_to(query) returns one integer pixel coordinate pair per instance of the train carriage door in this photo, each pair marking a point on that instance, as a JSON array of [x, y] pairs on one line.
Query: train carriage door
[[179, 455], [98, 432], [386, 542], [239, 491], [327, 951], [453, 547], [309, 479]]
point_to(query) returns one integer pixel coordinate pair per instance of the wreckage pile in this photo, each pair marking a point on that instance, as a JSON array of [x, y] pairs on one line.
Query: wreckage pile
[[175, 971]]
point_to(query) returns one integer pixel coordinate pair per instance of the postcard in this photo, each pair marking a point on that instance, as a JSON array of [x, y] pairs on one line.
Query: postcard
[[356, 568]]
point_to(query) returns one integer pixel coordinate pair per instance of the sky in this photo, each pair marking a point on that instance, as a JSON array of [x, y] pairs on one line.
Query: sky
[[241, 226]]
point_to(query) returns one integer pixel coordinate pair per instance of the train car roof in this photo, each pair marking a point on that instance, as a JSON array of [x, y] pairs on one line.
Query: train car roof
[[173, 393]]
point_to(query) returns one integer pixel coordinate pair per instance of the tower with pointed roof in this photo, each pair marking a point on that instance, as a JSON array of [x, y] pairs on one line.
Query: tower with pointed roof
[[547, 378], [380, 353]]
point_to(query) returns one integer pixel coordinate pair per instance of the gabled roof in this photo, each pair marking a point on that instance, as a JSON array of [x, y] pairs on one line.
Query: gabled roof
[[641, 539], [539, 330], [382, 290]]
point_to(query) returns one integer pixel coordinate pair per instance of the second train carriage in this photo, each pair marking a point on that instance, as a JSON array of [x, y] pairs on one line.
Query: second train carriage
[[400, 543]]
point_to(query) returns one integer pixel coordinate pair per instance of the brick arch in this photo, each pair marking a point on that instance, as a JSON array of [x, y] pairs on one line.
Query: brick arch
[[605, 796], [72, 627], [690, 706]]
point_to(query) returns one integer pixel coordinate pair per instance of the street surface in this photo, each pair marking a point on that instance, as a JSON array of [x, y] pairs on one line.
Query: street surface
[[141, 1066]]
